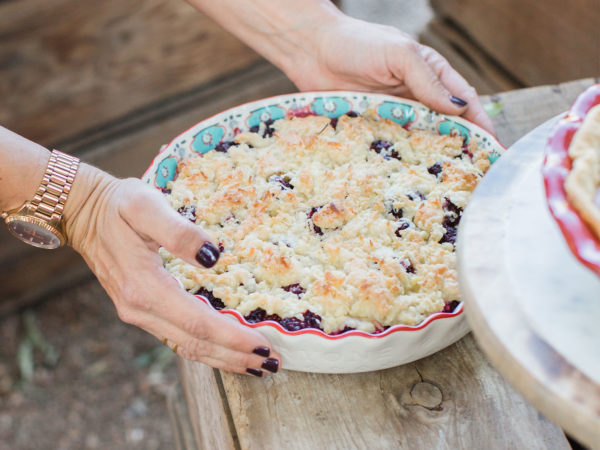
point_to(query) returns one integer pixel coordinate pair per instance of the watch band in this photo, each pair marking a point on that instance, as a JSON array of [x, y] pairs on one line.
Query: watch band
[[49, 201]]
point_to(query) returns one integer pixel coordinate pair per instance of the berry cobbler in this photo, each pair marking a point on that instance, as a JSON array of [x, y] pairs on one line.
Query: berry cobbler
[[335, 224]]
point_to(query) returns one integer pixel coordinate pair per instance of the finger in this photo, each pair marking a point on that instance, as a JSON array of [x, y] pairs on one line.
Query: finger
[[193, 349], [200, 320], [148, 212], [422, 81], [459, 87]]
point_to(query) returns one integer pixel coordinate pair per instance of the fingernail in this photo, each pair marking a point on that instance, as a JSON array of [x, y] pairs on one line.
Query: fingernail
[[458, 101], [255, 372], [208, 255], [262, 351], [270, 364]]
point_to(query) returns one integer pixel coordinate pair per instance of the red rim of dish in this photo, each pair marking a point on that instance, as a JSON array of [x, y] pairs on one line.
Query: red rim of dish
[[557, 164], [393, 328]]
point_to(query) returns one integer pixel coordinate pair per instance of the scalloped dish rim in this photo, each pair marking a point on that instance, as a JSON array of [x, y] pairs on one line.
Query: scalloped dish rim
[[393, 329]]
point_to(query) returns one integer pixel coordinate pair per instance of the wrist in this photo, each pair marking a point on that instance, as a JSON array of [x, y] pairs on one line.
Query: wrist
[[84, 204]]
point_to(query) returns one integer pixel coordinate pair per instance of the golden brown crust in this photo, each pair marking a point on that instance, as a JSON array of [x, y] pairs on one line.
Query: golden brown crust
[[362, 226]]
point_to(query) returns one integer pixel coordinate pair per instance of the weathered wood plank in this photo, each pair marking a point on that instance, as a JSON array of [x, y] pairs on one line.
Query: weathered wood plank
[[183, 433], [538, 42], [207, 407], [453, 399], [69, 65], [125, 149], [525, 109]]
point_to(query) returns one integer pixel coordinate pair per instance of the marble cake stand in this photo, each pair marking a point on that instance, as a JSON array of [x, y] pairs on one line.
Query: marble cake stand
[[534, 309]]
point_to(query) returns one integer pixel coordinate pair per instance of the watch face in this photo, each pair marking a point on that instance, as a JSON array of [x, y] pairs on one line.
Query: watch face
[[33, 234]]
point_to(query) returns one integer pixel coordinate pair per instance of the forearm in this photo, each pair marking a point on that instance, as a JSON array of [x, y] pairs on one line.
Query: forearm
[[283, 31], [22, 165]]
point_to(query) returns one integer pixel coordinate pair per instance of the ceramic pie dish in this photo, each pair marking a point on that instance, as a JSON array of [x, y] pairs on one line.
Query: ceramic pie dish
[[557, 164], [310, 349]]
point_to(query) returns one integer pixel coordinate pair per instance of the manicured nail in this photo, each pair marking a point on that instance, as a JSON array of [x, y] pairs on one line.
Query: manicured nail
[[270, 364], [208, 255], [262, 351], [255, 372], [458, 101]]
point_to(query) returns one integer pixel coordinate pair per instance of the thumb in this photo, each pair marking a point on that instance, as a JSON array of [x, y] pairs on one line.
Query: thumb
[[148, 213], [425, 85]]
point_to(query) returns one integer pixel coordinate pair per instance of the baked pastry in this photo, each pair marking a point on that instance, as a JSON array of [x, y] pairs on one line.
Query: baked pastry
[[336, 224], [582, 184]]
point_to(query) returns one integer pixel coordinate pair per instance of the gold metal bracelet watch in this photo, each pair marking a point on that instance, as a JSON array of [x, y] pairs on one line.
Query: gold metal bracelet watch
[[38, 222]]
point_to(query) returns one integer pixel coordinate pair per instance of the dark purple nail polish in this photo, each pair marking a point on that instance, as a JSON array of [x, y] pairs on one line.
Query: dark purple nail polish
[[208, 255], [255, 372], [270, 364], [458, 101], [262, 351]]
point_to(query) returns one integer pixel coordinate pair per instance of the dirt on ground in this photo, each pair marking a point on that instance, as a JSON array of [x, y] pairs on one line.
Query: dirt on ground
[[73, 376]]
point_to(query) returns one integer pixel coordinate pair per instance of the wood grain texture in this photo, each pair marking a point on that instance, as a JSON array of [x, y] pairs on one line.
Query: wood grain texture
[[208, 410], [539, 329], [525, 109], [453, 399], [539, 42], [125, 149], [183, 430], [67, 66]]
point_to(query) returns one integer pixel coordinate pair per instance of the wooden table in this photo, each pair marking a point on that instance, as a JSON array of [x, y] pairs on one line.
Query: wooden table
[[453, 399]]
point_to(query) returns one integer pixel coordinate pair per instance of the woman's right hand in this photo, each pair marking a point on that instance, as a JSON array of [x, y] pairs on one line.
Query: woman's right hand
[[118, 226]]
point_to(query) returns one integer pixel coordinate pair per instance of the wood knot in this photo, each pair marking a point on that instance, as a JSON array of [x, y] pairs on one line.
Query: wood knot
[[427, 395]]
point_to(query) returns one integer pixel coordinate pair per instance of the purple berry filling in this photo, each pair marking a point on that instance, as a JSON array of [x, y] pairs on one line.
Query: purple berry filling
[[294, 289], [414, 196], [466, 151], [284, 181], [383, 148], [436, 169], [224, 146], [316, 229], [408, 266], [402, 225], [451, 221], [268, 129], [379, 145], [217, 303], [188, 212], [450, 306], [310, 320], [397, 213]]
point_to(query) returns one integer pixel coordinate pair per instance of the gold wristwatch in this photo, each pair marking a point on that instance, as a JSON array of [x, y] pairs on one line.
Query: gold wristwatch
[[38, 222]]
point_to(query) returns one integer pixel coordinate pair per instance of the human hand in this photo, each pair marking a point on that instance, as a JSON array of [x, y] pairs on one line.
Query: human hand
[[118, 226], [356, 55]]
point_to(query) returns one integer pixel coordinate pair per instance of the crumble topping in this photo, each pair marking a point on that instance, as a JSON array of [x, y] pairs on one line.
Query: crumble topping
[[336, 224]]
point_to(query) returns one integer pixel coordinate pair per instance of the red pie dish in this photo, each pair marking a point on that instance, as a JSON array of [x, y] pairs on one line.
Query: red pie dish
[[578, 235]]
